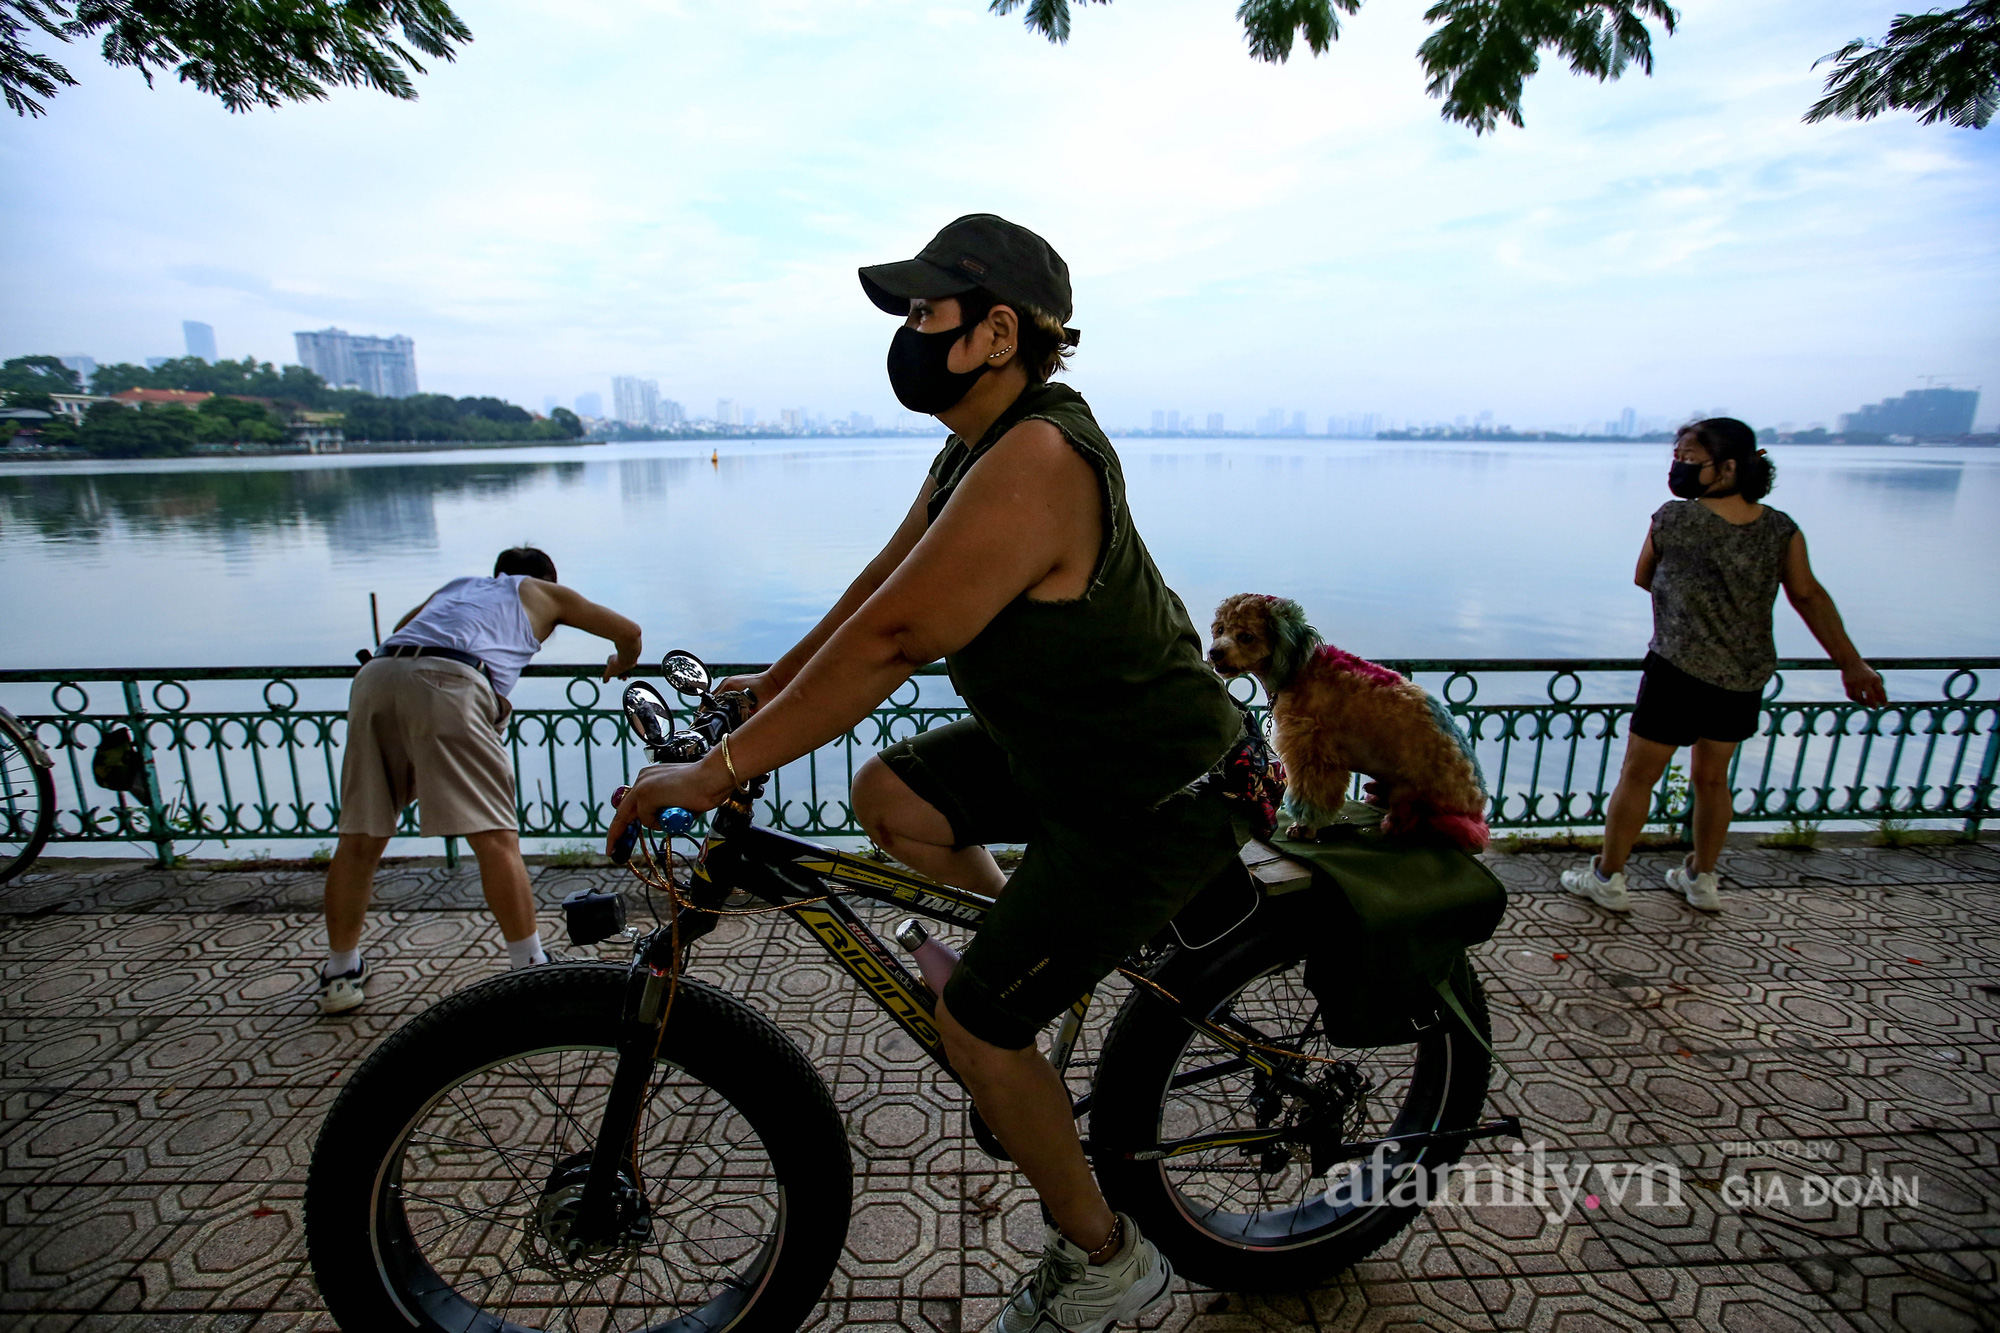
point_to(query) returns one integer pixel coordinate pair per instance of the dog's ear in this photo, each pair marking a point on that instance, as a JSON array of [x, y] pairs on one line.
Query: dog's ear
[[1293, 641]]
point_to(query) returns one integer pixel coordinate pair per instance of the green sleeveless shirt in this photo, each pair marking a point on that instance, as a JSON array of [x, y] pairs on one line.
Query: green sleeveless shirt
[[1107, 699]]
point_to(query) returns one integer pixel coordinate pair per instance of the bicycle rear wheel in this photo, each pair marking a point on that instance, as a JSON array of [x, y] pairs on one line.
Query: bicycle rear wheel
[[1257, 1218], [448, 1172], [27, 798]]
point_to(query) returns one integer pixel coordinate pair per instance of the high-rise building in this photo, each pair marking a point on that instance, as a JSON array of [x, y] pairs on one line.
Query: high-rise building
[[84, 366], [860, 422], [670, 414], [1159, 419], [200, 339], [590, 405], [1215, 422], [725, 412], [1628, 422], [385, 367], [634, 401], [1919, 412], [1272, 422], [1298, 426]]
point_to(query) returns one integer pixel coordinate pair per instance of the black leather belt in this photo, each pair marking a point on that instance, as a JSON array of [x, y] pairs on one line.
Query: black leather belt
[[450, 654]]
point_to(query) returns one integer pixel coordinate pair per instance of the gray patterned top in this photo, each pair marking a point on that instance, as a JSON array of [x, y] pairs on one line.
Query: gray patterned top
[[1713, 592]]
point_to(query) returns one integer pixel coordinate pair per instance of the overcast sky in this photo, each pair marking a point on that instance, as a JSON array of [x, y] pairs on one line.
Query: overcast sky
[[683, 192]]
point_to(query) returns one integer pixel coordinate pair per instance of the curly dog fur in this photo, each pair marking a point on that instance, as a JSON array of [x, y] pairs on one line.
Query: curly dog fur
[[1336, 715]]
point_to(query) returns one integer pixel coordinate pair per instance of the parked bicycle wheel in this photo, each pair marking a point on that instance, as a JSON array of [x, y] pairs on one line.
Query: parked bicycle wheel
[[1256, 1218], [449, 1169], [27, 797]]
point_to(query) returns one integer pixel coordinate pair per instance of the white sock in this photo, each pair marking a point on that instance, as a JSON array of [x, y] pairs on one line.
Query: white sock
[[339, 963], [526, 952]]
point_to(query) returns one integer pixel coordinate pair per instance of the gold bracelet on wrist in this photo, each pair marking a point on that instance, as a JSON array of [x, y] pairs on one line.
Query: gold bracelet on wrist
[[730, 764]]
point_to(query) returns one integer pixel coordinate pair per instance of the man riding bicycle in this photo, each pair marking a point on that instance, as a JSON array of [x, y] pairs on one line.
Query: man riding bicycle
[[1094, 716]]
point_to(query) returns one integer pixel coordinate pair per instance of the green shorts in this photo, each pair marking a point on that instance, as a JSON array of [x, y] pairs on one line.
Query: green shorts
[[1094, 885]]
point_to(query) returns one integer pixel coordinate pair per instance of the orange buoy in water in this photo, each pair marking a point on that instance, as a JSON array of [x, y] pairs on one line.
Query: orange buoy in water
[[715, 458]]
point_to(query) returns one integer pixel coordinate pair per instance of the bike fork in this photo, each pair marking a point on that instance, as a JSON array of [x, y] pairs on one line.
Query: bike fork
[[638, 1047]]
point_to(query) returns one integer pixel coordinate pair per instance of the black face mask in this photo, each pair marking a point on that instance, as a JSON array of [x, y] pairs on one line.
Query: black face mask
[[919, 375], [1684, 480]]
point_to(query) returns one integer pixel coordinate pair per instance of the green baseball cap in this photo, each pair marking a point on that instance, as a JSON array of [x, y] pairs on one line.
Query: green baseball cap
[[977, 250]]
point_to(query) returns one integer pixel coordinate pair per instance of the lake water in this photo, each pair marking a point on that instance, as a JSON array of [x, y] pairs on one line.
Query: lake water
[[1396, 550]]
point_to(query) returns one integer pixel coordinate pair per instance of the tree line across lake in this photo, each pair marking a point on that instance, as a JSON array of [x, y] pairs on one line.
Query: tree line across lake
[[253, 403]]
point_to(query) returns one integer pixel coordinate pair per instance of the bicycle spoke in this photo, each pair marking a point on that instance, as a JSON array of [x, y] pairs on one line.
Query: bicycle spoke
[[477, 1171]]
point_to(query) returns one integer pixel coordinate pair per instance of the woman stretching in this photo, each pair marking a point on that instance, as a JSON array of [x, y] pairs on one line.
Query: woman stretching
[[1713, 561]]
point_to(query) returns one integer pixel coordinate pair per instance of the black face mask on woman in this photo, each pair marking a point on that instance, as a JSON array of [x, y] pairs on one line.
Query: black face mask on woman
[[1684, 480], [920, 376]]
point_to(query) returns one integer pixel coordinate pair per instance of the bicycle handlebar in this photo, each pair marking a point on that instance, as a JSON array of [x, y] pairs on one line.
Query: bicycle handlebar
[[717, 717]]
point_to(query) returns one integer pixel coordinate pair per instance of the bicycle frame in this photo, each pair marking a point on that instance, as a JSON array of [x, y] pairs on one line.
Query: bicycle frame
[[782, 870]]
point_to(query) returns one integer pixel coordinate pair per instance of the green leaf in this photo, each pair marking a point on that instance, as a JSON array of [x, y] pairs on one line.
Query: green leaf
[[248, 53], [1484, 51], [1270, 26], [1946, 65]]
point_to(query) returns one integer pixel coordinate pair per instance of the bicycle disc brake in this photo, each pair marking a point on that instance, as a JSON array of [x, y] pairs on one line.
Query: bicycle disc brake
[[552, 1243]]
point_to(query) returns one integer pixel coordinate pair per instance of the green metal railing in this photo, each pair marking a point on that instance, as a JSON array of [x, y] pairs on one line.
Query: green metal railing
[[260, 761]]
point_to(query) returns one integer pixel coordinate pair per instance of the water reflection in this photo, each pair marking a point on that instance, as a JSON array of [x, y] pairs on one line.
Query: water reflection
[[1926, 480], [359, 509], [643, 480]]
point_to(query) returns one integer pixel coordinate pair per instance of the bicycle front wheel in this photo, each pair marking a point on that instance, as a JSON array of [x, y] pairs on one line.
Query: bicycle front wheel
[[449, 1171], [27, 798]]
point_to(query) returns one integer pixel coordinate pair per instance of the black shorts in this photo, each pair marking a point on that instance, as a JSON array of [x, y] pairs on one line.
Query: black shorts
[[1093, 886], [1677, 709]]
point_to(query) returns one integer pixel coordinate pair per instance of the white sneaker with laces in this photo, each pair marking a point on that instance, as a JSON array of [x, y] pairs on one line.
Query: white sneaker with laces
[[1699, 890], [339, 994], [1068, 1294], [1606, 893]]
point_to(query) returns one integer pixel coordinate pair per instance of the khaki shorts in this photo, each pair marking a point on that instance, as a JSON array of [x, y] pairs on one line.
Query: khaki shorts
[[425, 729]]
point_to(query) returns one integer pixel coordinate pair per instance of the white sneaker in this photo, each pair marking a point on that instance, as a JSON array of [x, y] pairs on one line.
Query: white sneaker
[[1607, 893], [339, 994], [1699, 890], [1069, 1294]]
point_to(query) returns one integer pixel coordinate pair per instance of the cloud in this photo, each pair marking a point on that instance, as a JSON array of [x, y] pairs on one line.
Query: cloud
[[684, 192]]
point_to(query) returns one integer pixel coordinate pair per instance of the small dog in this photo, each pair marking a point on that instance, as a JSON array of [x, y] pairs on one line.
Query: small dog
[[1337, 715]]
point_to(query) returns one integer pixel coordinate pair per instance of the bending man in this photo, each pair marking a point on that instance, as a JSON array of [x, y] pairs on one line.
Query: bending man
[[425, 722]]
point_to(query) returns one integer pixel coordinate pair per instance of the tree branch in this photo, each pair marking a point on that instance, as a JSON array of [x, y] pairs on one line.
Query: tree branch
[[26, 75], [1946, 65], [1482, 56], [248, 53]]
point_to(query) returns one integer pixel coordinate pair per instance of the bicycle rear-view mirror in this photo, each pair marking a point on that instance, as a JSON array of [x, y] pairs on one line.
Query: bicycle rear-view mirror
[[646, 709], [685, 672]]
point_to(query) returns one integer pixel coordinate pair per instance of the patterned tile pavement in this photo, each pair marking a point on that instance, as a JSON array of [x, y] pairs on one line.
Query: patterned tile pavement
[[165, 1073]]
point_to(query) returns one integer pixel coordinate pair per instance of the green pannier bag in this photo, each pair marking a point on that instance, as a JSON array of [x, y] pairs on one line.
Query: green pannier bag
[[1396, 918]]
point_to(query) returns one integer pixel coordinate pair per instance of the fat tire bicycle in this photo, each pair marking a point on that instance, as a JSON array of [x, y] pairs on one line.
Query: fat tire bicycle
[[603, 1147], [27, 796]]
